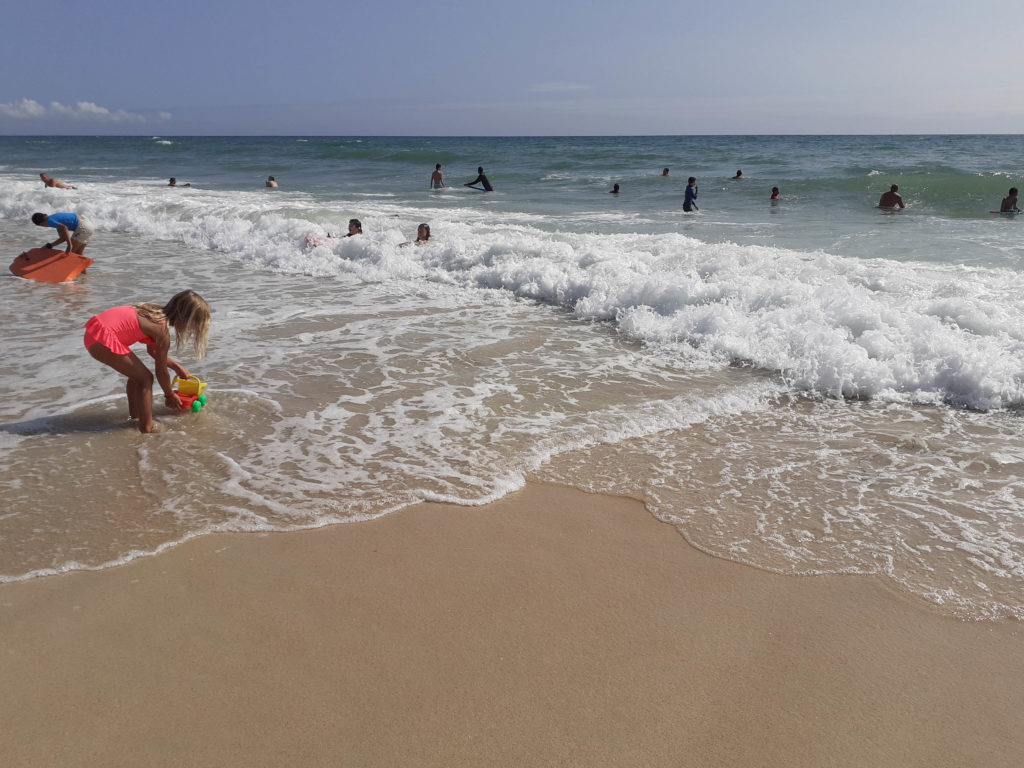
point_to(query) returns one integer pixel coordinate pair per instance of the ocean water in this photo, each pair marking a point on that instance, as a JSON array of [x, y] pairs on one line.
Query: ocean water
[[809, 386]]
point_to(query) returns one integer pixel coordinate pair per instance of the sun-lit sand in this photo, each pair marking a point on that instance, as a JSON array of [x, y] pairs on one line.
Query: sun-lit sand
[[552, 628]]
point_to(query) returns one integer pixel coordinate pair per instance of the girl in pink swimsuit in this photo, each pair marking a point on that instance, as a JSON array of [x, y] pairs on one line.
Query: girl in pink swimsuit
[[109, 336]]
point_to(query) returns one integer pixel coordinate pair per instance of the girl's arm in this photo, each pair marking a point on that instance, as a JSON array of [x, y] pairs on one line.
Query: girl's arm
[[178, 368], [161, 334]]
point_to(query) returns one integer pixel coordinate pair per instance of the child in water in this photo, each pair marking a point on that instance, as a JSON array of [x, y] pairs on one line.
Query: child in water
[[110, 334]]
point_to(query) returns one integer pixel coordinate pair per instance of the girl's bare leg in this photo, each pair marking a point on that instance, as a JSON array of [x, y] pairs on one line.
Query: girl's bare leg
[[140, 383]]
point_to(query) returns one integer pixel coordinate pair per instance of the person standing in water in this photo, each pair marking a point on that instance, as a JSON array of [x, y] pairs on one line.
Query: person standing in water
[[480, 180], [110, 335], [436, 178], [271, 181], [690, 201], [891, 199], [1009, 204], [71, 229]]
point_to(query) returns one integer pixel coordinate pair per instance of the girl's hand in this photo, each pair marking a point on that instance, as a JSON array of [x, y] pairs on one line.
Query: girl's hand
[[173, 401], [182, 373]]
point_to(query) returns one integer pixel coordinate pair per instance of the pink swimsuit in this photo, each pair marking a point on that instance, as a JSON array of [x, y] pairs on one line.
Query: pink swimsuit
[[116, 329]]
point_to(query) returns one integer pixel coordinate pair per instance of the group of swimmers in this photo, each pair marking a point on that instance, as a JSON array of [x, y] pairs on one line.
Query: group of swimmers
[[480, 182], [890, 200]]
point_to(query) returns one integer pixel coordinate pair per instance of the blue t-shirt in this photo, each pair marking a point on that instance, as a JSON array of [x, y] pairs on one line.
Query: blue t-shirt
[[69, 220]]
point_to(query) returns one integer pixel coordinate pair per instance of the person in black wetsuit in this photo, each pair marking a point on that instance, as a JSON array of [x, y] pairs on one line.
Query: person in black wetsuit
[[480, 180]]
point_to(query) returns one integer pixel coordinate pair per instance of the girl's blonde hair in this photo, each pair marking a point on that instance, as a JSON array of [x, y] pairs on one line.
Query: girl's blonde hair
[[188, 312]]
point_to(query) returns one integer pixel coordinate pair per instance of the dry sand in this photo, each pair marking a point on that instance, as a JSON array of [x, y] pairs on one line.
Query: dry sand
[[552, 628]]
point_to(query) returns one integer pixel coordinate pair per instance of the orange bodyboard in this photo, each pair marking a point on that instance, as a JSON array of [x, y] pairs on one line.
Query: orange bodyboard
[[49, 266]]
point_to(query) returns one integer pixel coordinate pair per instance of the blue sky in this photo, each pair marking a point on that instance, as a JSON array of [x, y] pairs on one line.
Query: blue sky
[[473, 67]]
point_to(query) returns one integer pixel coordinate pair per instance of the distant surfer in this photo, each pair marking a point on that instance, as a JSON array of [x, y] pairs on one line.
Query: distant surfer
[[71, 229], [690, 201], [480, 181], [739, 175], [1009, 204], [891, 199], [614, 189], [271, 181], [174, 183], [436, 178], [49, 181]]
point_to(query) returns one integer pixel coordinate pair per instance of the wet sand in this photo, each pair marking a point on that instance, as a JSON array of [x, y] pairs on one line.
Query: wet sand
[[552, 628]]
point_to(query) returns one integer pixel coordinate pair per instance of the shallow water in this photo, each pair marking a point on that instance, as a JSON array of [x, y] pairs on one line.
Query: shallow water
[[809, 387]]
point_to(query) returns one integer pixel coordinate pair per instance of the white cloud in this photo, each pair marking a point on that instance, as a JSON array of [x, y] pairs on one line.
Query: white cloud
[[26, 108], [558, 88], [85, 111]]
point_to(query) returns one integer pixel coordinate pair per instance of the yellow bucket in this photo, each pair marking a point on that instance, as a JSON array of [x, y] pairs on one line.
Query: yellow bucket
[[189, 386]]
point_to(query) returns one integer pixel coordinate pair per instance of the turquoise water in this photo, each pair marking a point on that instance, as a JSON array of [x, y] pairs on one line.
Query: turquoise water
[[810, 386]]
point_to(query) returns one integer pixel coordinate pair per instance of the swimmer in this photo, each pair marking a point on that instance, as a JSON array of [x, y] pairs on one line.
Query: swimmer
[[110, 334], [71, 229], [775, 193], [436, 178], [1009, 204], [355, 227], [49, 181], [271, 181], [739, 175], [891, 199], [690, 201], [174, 183], [480, 180], [614, 189], [422, 235], [664, 172]]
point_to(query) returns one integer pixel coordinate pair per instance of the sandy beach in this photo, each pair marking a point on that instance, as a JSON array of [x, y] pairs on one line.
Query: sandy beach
[[522, 633]]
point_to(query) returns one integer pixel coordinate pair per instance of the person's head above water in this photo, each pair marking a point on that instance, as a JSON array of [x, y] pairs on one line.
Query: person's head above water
[[894, 188]]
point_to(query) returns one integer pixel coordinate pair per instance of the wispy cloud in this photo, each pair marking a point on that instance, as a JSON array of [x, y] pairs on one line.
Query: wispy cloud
[[83, 111], [557, 87]]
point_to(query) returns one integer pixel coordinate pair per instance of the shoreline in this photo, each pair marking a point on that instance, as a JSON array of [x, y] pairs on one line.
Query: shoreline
[[551, 627]]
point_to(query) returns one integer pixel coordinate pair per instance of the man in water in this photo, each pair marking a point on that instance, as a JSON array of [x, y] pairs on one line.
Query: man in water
[[690, 201], [271, 181], [436, 179], [739, 175], [71, 228], [891, 199], [480, 180], [174, 183], [52, 182], [1009, 204], [664, 172]]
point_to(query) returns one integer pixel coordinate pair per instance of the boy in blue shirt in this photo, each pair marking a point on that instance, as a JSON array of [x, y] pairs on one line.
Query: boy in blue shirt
[[71, 228]]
